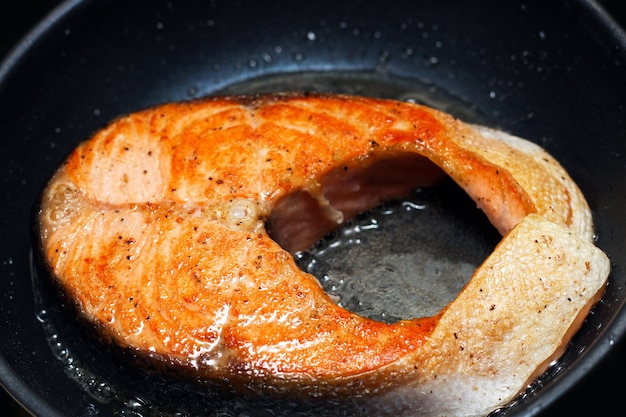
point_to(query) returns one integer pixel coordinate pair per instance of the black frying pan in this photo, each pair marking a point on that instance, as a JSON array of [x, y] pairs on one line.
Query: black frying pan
[[552, 72]]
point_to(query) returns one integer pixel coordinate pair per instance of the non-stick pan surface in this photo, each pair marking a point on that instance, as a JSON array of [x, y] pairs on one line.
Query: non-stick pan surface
[[552, 72]]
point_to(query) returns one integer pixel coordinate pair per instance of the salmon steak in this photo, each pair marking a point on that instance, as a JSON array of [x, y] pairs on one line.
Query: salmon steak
[[173, 230]]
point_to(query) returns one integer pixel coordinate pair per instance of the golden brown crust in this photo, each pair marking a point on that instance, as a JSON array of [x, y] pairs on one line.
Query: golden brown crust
[[156, 227]]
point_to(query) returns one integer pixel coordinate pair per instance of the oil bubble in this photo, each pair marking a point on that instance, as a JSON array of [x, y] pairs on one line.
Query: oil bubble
[[433, 60], [384, 57], [192, 91]]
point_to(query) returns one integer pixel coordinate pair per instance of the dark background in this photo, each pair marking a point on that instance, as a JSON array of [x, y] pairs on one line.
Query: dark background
[[594, 393]]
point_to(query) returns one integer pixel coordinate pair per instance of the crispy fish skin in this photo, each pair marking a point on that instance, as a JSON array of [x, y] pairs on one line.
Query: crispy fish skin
[[507, 325], [156, 227]]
